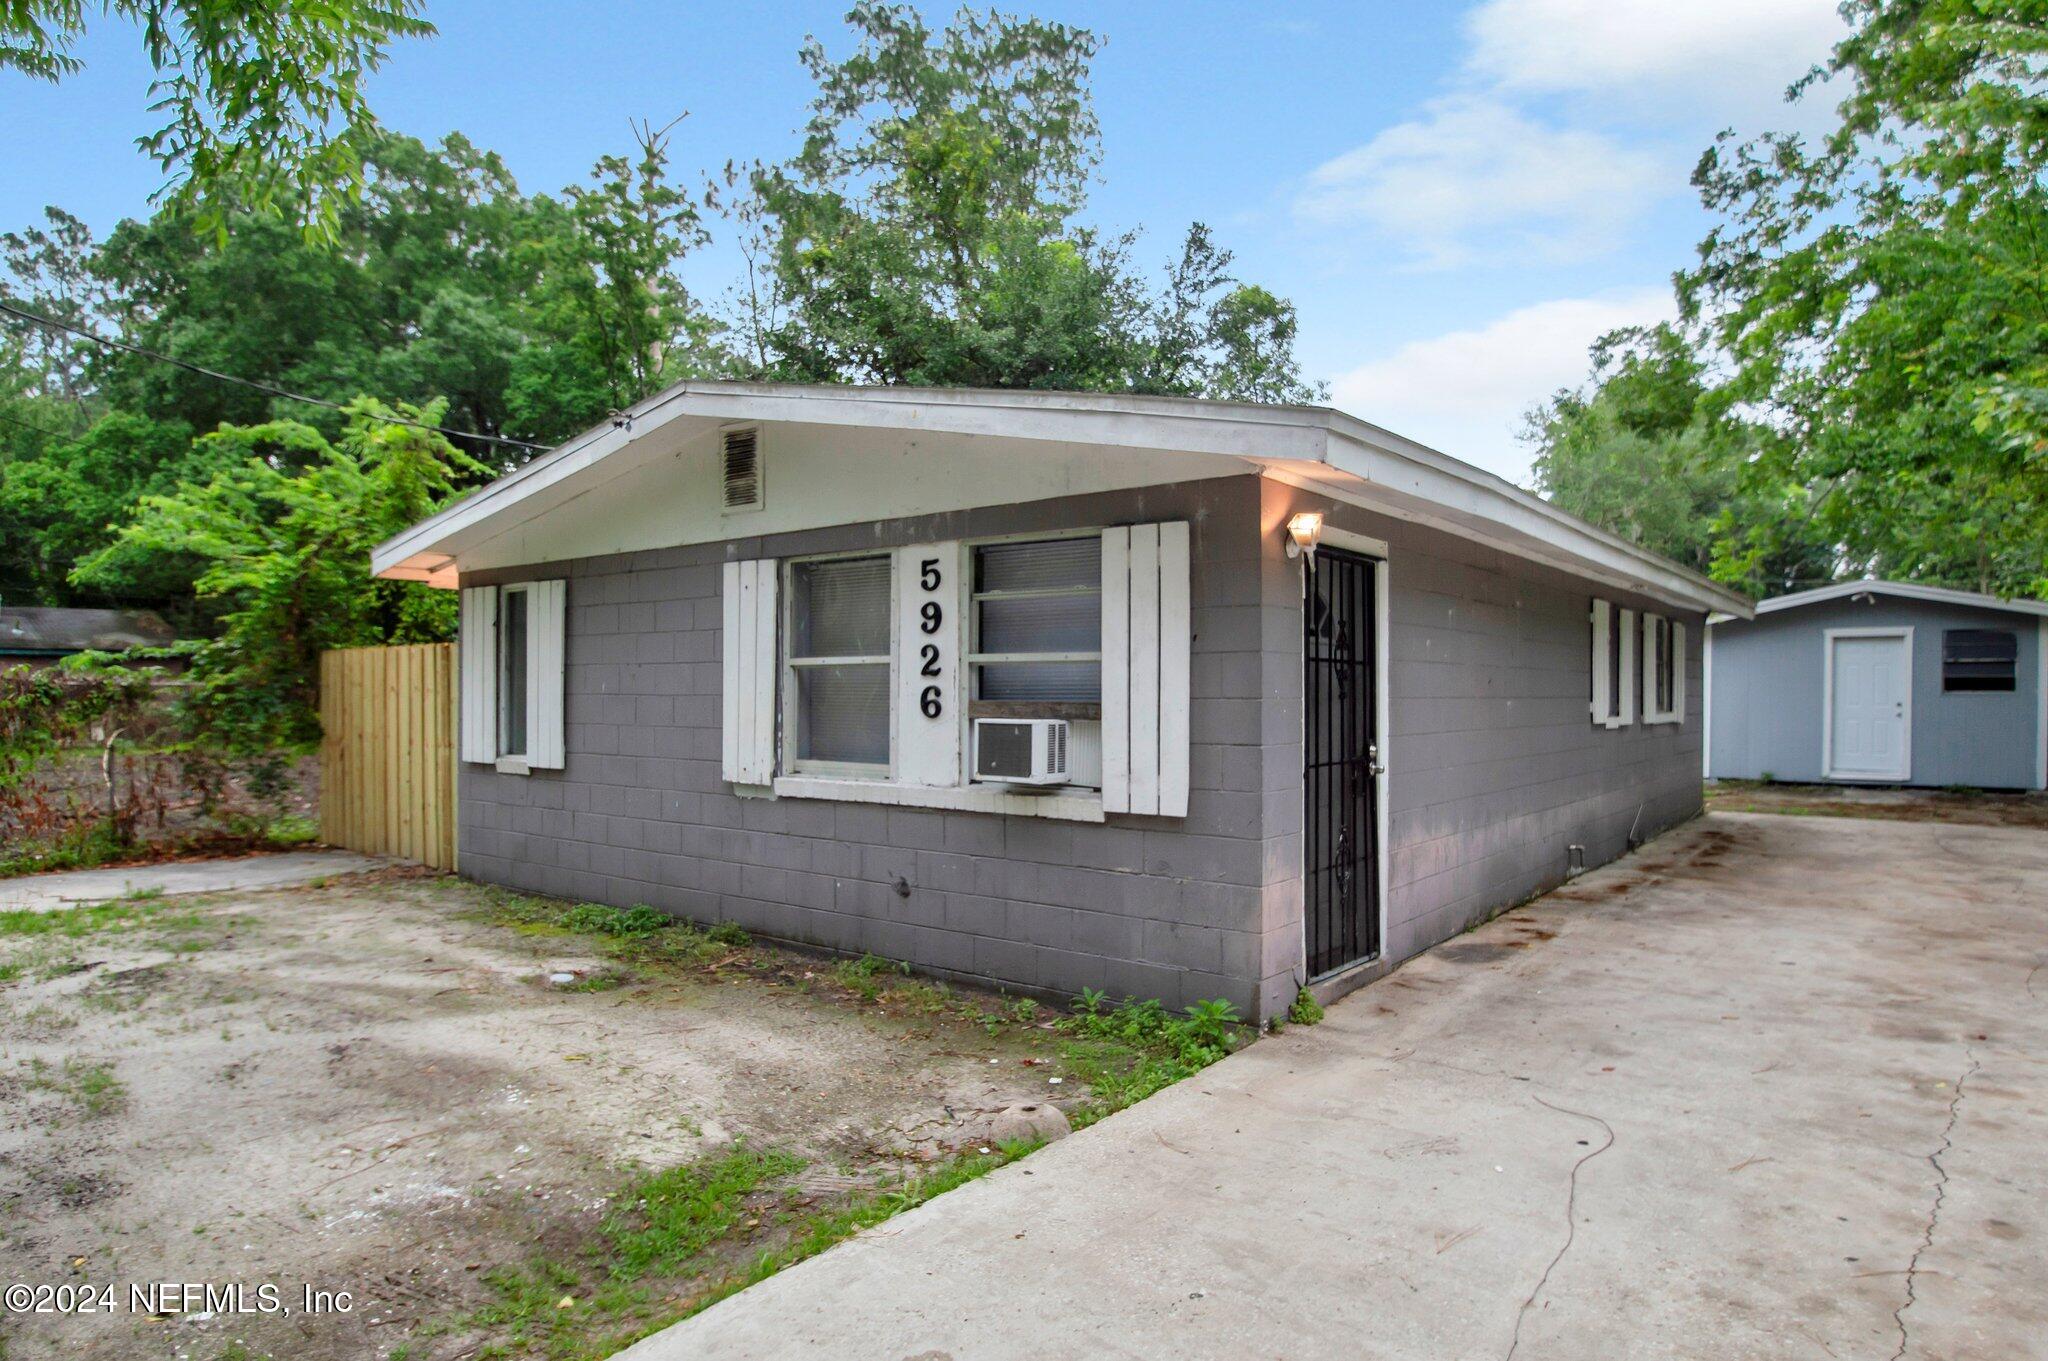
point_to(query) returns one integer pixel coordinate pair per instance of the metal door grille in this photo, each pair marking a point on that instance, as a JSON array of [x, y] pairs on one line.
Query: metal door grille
[[1341, 856]]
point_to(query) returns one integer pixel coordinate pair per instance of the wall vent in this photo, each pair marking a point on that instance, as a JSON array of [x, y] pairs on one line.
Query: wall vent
[[741, 469]]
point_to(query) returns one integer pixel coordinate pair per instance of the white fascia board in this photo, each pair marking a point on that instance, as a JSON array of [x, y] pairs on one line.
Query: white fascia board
[[1477, 504], [1906, 590], [1422, 483]]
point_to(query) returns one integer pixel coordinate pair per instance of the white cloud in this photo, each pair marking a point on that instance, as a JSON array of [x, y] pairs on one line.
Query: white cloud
[[1465, 392], [1736, 54], [1475, 178]]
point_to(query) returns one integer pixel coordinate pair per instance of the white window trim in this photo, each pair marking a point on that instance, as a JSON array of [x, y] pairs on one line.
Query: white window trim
[[848, 782], [845, 772]]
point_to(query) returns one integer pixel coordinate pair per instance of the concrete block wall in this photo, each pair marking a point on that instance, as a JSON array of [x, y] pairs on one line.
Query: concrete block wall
[[1147, 907], [1494, 764]]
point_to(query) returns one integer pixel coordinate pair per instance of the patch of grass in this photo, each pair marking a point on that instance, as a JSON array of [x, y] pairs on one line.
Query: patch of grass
[[1306, 1009], [638, 934], [1127, 1052], [677, 1242], [603, 980], [92, 1087], [598, 919], [860, 976], [72, 922]]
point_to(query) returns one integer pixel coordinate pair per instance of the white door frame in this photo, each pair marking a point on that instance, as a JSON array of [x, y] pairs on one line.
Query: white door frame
[[1827, 707], [1365, 546]]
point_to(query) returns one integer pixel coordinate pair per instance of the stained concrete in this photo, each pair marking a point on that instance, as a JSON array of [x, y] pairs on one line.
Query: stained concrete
[[76, 888], [1773, 1087]]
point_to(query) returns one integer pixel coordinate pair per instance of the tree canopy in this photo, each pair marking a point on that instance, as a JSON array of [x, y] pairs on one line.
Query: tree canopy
[[928, 232], [263, 99], [1874, 306], [224, 411]]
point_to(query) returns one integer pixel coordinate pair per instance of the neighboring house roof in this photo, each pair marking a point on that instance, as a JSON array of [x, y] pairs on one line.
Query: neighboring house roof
[[1320, 449], [48, 631], [1905, 590]]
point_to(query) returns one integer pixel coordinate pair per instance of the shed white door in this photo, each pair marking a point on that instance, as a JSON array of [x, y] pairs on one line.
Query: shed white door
[[1870, 721]]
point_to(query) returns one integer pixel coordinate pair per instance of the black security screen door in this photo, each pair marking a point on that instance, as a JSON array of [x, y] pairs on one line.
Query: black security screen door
[[1341, 851]]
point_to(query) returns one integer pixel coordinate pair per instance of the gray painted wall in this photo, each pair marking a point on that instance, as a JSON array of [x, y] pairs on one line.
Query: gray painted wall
[[1496, 767], [1769, 702]]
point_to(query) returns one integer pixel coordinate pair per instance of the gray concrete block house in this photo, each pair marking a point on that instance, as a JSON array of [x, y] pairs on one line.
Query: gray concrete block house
[[1881, 682], [1169, 698]]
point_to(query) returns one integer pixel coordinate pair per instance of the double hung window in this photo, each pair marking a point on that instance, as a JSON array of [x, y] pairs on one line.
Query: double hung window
[[839, 664]]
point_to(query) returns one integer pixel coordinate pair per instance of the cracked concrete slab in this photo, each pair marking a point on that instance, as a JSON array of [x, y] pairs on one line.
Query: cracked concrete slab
[[76, 888], [1770, 1014]]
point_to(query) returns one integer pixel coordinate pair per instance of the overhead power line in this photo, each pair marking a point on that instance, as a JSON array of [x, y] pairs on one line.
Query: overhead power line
[[51, 323]]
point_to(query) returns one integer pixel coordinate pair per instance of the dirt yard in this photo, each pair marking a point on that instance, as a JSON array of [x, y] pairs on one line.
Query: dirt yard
[[450, 1103], [1966, 806]]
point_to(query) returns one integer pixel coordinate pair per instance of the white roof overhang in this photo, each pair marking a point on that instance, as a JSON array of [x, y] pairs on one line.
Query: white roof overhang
[[1903, 590], [1316, 448]]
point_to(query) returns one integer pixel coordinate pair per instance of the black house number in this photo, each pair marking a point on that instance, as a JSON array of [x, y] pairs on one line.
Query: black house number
[[930, 616]]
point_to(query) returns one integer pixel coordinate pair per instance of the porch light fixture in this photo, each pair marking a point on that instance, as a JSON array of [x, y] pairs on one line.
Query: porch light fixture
[[1304, 532]]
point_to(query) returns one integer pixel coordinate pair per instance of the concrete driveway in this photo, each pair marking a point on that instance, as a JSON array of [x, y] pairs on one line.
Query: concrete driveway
[[1772, 1088]]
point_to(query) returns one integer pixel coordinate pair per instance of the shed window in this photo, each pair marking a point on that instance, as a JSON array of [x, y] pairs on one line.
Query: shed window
[[1979, 659], [512, 737], [1037, 626], [839, 663]]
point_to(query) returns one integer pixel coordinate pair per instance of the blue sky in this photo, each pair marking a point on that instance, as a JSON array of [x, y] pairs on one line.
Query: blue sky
[[1457, 199]]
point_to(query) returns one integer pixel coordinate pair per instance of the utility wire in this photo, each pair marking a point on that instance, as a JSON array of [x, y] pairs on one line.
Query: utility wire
[[96, 338], [43, 430]]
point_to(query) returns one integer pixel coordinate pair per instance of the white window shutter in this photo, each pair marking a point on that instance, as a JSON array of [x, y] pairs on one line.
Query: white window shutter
[[1677, 672], [478, 653], [1602, 702], [1147, 635], [1625, 709], [546, 656], [747, 682]]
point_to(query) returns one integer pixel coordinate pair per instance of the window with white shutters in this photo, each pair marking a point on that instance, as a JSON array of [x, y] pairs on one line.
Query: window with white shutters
[[513, 650]]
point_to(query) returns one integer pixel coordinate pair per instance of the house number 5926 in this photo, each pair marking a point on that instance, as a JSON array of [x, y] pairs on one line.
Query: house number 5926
[[931, 614]]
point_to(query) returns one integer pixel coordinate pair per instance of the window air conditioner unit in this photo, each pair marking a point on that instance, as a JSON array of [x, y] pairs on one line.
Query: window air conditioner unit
[[1020, 750]]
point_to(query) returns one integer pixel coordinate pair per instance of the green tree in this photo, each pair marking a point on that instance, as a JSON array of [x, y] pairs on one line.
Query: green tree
[[263, 99], [926, 232], [1883, 299], [1648, 449], [283, 529]]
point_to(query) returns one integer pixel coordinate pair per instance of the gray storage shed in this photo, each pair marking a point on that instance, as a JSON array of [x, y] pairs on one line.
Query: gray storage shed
[[1163, 697], [1881, 682]]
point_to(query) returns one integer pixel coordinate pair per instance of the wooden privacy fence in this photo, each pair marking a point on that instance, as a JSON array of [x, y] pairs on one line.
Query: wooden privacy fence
[[387, 760]]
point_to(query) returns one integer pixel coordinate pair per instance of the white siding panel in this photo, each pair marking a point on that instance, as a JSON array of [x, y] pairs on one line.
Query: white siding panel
[[546, 655], [1116, 670], [928, 748], [1176, 642], [1147, 636], [1626, 713], [1677, 672], [747, 746], [1144, 635], [1601, 705], [478, 654]]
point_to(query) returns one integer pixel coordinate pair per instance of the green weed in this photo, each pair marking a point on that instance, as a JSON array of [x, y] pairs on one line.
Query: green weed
[[92, 1087], [1306, 1009]]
